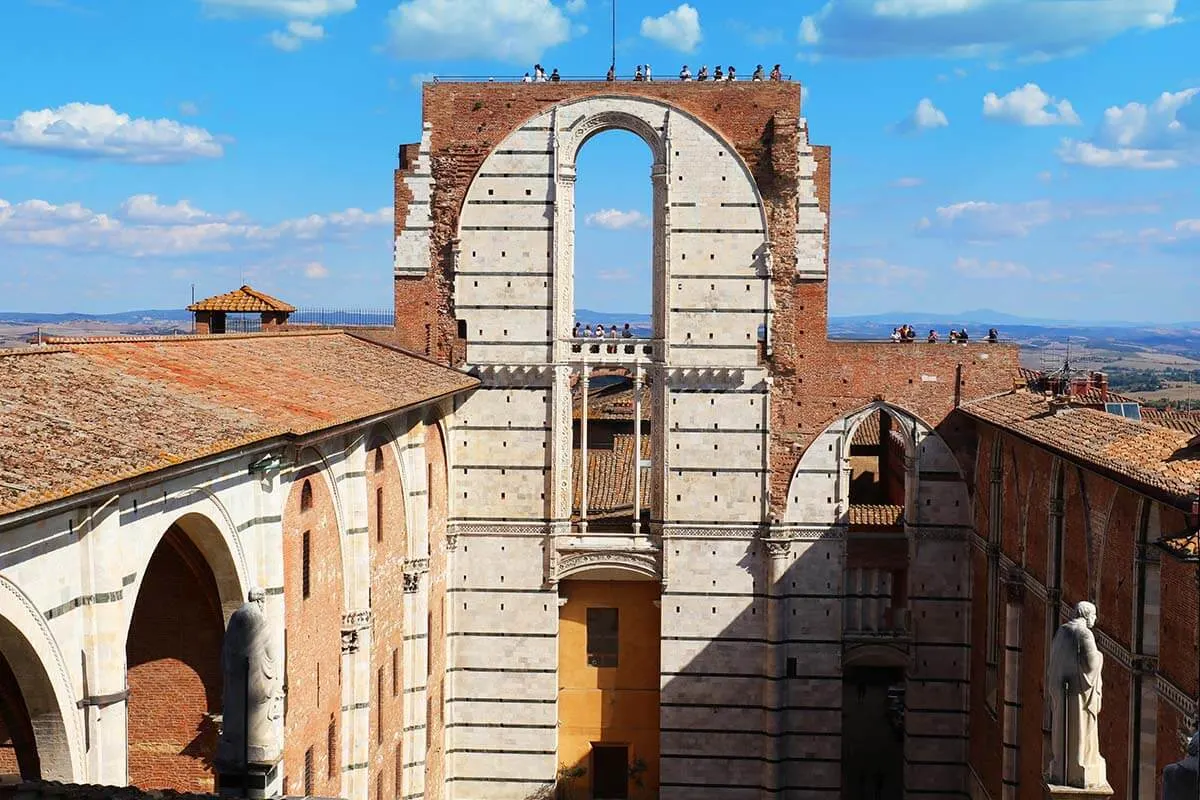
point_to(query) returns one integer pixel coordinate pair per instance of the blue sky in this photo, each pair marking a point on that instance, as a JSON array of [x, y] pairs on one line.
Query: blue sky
[[1039, 157]]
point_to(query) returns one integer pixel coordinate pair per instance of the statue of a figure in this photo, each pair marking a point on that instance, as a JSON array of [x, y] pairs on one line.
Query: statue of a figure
[[253, 690], [1074, 690], [1180, 779]]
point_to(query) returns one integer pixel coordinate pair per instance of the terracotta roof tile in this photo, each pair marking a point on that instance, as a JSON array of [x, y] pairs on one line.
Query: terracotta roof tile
[[876, 516], [610, 478], [1148, 455], [867, 434], [1186, 421], [82, 416], [243, 300]]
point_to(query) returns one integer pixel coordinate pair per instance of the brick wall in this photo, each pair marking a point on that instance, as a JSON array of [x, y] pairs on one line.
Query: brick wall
[[388, 552], [986, 732], [314, 646], [174, 670], [1177, 632], [435, 461], [18, 752]]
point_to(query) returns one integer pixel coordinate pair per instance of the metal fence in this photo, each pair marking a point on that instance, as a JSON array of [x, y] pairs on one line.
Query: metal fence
[[620, 78], [317, 318]]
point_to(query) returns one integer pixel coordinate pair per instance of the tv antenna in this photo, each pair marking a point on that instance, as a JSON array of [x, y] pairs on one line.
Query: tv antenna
[[614, 35]]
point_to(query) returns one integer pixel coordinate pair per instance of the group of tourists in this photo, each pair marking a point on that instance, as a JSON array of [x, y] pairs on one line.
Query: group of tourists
[[645, 72], [905, 333], [599, 332]]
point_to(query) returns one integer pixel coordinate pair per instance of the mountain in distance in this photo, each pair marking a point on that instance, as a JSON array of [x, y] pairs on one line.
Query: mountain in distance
[[125, 317]]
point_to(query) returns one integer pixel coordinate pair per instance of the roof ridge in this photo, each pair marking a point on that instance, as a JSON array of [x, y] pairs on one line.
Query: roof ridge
[[33, 350], [66, 341]]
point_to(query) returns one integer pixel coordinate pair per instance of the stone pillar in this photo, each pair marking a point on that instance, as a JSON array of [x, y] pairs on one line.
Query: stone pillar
[[583, 448], [637, 449], [660, 314], [105, 695], [1014, 605], [356, 624], [776, 696]]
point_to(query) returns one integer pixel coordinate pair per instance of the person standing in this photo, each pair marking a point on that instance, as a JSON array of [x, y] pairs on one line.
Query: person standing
[[637, 74], [649, 74], [702, 75], [685, 74], [758, 73], [526, 79], [612, 74], [776, 73]]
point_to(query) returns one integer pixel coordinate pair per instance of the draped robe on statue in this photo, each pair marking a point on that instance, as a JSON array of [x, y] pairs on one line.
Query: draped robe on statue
[[1074, 690]]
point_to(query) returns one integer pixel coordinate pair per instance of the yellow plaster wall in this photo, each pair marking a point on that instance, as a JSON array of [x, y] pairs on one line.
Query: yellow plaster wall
[[615, 705]]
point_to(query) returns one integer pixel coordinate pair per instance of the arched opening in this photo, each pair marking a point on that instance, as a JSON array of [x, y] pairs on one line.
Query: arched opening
[[614, 237], [388, 551], [173, 658], [313, 598]]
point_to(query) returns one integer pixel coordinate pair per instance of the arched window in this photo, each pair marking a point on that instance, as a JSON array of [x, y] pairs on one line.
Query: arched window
[[306, 496], [379, 458], [614, 238]]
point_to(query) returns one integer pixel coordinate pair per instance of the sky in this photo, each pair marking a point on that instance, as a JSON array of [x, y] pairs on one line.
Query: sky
[[1038, 157]]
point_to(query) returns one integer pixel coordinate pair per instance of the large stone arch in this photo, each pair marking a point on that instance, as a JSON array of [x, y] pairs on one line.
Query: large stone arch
[[185, 592], [533, 171], [45, 687]]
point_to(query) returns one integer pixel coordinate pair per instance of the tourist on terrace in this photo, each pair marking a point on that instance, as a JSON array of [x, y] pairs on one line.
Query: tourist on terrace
[[953, 336], [526, 79], [993, 336], [637, 75], [626, 332], [612, 74], [599, 330], [575, 331], [732, 76], [933, 337], [896, 335], [539, 74], [962, 335], [776, 73], [554, 75], [702, 75], [649, 74], [758, 74], [717, 74], [685, 74]]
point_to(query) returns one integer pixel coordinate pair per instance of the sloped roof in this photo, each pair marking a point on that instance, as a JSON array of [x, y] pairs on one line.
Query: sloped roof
[[1186, 421], [86, 413], [1148, 456], [610, 478], [243, 300], [875, 516]]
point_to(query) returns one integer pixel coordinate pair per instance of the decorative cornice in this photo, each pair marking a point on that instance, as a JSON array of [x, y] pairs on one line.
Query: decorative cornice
[[1176, 697], [417, 565], [504, 376], [498, 528], [645, 562]]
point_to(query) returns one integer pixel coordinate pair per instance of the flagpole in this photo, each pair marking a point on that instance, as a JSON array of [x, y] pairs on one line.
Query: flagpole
[[614, 35]]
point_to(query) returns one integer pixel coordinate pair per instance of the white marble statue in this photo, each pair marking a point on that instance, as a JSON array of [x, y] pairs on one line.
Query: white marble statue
[[1180, 779], [252, 692], [1073, 691]]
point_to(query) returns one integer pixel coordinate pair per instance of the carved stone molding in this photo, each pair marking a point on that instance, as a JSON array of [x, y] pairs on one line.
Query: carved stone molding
[[1142, 664], [496, 529], [777, 548], [349, 640], [417, 566], [1176, 697], [451, 542], [645, 562], [1014, 586], [357, 619], [505, 376], [412, 582]]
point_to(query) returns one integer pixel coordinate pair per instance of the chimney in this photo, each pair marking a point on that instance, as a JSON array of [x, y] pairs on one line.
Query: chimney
[[1102, 386]]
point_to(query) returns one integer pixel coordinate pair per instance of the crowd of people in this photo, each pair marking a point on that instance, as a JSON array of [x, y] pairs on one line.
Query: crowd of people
[[600, 332], [905, 333], [645, 72]]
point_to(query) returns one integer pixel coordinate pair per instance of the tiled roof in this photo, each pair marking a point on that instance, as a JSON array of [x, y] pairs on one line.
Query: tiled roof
[[867, 434], [1092, 397], [876, 516], [1149, 456], [87, 413], [243, 300], [610, 478], [1186, 421], [613, 402]]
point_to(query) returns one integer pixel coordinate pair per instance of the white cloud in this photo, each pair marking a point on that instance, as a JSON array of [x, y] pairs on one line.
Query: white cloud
[[926, 116], [678, 29], [907, 182], [188, 108], [877, 271], [616, 275], [976, 221], [1045, 176], [315, 270], [1029, 105], [974, 268], [504, 30], [975, 28], [1164, 134], [420, 78], [291, 9], [294, 36], [143, 226], [615, 220], [575, 6], [92, 131], [145, 209]]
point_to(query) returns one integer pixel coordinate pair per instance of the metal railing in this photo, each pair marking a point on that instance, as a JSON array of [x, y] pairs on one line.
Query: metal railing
[[665, 78], [321, 317]]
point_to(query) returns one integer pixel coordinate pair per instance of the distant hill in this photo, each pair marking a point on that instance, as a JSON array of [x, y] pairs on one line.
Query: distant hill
[[126, 317]]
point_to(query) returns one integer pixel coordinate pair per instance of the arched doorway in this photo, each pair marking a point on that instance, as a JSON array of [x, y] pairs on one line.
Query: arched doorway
[[173, 659]]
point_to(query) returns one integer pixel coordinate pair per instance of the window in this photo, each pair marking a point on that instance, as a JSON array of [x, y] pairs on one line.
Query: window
[[602, 637], [399, 769], [306, 498], [395, 672], [308, 772], [331, 747], [379, 706], [379, 458], [379, 514], [305, 565], [429, 486], [995, 539]]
